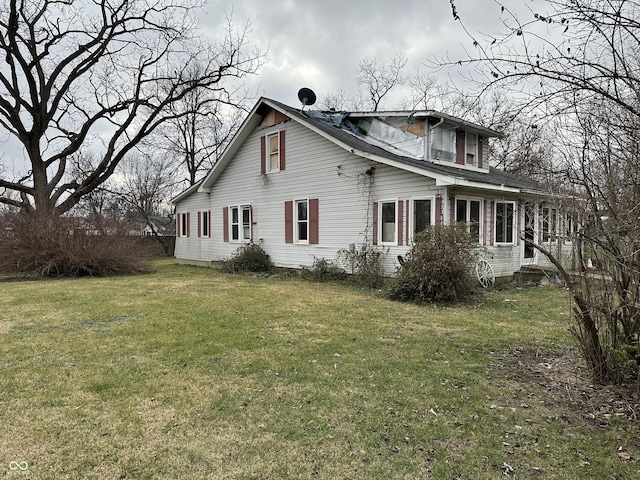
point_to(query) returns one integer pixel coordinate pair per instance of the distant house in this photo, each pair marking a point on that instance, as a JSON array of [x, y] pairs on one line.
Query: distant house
[[158, 225], [305, 184]]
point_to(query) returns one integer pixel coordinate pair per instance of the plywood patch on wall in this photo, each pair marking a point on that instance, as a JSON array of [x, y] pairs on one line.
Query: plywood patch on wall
[[273, 118]]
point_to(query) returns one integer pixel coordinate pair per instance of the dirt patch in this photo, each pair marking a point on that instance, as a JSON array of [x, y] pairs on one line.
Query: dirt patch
[[564, 376], [5, 327]]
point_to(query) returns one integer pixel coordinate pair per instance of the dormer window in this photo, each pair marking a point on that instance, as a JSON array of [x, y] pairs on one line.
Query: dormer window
[[471, 148], [443, 143], [274, 152]]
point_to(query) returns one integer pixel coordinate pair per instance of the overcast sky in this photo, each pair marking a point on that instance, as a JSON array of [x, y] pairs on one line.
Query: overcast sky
[[319, 44]]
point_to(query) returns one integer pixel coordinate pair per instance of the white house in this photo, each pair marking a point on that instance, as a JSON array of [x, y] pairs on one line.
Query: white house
[[305, 184]]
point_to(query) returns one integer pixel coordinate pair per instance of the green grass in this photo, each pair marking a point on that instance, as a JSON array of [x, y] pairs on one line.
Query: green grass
[[191, 373]]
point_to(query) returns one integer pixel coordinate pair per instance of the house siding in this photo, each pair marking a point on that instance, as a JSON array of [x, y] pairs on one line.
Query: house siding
[[316, 169], [343, 186]]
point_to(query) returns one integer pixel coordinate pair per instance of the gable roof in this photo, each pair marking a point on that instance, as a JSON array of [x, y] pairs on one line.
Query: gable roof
[[493, 179]]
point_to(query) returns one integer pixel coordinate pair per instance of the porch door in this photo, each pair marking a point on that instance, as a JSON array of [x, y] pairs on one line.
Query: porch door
[[530, 253]]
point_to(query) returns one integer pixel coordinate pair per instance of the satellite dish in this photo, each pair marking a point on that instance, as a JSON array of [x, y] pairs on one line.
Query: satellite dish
[[306, 96]]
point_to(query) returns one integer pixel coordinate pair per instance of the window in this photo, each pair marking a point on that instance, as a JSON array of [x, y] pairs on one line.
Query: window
[[568, 228], [301, 221], [203, 224], [421, 215], [240, 223], [443, 143], [388, 222], [469, 211], [273, 140], [471, 148], [183, 224], [272, 152], [529, 229], [505, 224], [549, 223]]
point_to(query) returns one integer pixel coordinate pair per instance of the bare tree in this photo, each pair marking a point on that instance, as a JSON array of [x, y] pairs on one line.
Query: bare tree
[[101, 76], [144, 185], [203, 123], [573, 50], [424, 93], [340, 100], [578, 63], [379, 77]]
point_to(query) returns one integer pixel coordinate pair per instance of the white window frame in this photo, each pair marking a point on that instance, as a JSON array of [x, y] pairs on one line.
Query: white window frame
[[569, 228], [549, 227], [205, 228], [514, 216], [381, 224], [432, 208], [270, 154], [242, 236], [446, 139], [473, 151], [468, 214], [184, 227], [297, 221]]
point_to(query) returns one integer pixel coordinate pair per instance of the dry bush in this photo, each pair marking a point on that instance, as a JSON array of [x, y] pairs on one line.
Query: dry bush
[[54, 248], [248, 258], [438, 267]]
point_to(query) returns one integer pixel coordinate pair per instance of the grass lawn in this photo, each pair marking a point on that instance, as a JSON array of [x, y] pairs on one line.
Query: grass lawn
[[188, 373]]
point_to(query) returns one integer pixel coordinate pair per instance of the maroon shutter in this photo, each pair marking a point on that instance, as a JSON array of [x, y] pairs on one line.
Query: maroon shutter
[[400, 221], [288, 222], [225, 224], [408, 223], [263, 154], [480, 139], [188, 224], [250, 223], [438, 219], [313, 221], [375, 223], [178, 215], [492, 223], [460, 147], [199, 224], [282, 150], [209, 223]]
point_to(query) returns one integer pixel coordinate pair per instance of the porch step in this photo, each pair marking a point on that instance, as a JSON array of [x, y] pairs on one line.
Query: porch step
[[535, 273]]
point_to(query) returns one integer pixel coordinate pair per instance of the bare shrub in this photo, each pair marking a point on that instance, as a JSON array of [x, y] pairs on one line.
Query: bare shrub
[[365, 264], [53, 248], [324, 270], [248, 258], [437, 268]]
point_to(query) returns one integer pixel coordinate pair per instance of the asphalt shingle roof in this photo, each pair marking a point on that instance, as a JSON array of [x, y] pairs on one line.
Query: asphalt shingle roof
[[494, 177]]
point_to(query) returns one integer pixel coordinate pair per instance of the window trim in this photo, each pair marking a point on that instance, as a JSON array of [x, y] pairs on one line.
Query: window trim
[[446, 136], [468, 214], [569, 228], [381, 225], [466, 149], [412, 214], [551, 232], [204, 223], [240, 224], [514, 216], [183, 221], [269, 153], [296, 221]]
